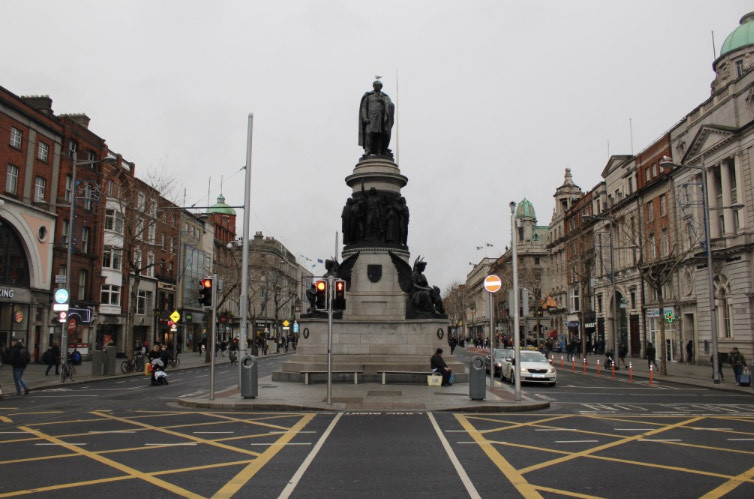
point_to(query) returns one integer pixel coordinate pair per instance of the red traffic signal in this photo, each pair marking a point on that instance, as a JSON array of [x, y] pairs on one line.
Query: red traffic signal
[[339, 302], [205, 292]]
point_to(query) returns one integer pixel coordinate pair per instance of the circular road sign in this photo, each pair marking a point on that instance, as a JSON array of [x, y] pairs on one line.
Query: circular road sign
[[61, 296], [492, 283]]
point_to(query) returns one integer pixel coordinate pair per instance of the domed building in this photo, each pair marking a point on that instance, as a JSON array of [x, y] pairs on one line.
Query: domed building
[[736, 54]]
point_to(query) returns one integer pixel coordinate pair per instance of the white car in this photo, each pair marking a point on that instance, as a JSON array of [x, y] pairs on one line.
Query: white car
[[535, 368]]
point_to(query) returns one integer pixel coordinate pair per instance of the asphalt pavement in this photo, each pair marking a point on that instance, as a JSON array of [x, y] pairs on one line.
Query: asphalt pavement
[[279, 396]]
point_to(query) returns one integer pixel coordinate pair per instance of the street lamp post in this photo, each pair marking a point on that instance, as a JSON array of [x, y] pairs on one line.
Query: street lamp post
[[516, 341], [668, 162], [612, 276], [69, 252]]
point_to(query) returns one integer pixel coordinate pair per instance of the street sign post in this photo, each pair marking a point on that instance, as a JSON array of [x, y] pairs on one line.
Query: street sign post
[[492, 284]]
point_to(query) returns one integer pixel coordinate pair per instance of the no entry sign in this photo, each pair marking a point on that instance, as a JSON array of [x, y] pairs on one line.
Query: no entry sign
[[492, 283]]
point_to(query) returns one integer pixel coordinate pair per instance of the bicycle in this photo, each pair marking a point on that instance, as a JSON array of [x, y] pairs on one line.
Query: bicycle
[[135, 364], [67, 370], [233, 356], [174, 362]]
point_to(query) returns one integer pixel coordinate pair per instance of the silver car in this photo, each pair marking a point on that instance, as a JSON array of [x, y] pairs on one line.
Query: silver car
[[500, 354], [535, 368]]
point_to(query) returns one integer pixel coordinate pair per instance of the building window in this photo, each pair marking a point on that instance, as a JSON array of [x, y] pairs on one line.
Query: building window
[[648, 174], [112, 258], [72, 148], [630, 185], [143, 300], [652, 246], [64, 236], [739, 69], [40, 185], [114, 221], [85, 240], [43, 152], [150, 265], [172, 244], [83, 277], [109, 294], [575, 299], [68, 188], [88, 196], [650, 212], [16, 137], [599, 303], [11, 181], [663, 205], [665, 242]]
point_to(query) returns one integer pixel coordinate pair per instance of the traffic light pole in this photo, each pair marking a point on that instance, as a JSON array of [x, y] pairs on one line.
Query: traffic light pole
[[330, 291], [213, 341]]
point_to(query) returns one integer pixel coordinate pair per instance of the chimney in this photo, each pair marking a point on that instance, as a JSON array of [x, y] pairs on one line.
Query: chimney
[[41, 103], [80, 119]]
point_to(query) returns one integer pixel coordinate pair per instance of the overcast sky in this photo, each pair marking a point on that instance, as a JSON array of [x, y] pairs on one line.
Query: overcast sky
[[494, 99]]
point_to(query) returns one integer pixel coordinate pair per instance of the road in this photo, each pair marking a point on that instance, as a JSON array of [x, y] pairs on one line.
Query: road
[[599, 438]]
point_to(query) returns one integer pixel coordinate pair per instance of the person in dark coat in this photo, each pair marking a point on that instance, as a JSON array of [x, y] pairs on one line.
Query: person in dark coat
[[438, 365], [651, 356], [18, 361], [53, 359]]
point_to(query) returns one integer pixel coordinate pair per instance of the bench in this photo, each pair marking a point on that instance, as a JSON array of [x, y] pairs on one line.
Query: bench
[[420, 373], [347, 371]]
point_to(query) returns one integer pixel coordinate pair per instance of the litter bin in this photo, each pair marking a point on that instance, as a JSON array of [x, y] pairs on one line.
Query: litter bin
[[97, 362], [477, 379], [249, 377], [109, 361]]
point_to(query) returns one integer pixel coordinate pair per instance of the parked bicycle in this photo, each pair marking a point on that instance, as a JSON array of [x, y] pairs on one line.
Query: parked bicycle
[[67, 369], [175, 361], [135, 364]]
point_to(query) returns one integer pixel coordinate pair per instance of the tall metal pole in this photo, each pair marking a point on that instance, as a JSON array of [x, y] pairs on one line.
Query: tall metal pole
[[711, 277], [615, 293], [213, 341], [245, 250], [330, 284], [68, 274], [516, 346], [492, 346]]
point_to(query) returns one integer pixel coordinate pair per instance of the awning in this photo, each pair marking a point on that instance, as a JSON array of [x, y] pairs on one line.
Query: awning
[[552, 334]]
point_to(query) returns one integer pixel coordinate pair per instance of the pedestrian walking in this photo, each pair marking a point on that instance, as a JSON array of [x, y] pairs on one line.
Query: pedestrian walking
[[19, 357], [689, 352], [453, 344], [52, 358], [651, 355], [737, 361], [622, 352]]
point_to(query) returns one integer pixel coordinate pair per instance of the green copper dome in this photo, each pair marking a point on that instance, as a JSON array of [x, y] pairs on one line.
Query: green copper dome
[[525, 210], [741, 36], [221, 207]]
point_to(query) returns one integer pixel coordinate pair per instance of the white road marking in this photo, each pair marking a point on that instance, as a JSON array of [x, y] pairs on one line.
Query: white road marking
[[296, 478], [473, 493], [740, 439]]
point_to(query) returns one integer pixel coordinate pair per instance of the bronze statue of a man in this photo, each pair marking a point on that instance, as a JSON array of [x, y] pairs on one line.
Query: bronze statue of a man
[[376, 115]]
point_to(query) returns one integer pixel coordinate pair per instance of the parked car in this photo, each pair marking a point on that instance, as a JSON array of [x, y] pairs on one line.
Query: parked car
[[500, 354], [535, 368]]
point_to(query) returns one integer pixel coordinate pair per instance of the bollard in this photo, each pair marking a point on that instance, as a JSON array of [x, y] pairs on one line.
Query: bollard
[[573, 363], [584, 365], [562, 361], [631, 372], [598, 367], [552, 360], [651, 375], [612, 367]]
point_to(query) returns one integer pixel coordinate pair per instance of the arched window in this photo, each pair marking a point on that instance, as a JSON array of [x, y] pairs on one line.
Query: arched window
[[14, 268]]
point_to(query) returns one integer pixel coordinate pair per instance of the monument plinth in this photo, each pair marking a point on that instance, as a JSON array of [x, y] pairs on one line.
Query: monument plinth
[[393, 319]]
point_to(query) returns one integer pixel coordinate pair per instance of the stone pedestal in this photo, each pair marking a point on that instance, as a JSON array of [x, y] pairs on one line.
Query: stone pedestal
[[372, 333]]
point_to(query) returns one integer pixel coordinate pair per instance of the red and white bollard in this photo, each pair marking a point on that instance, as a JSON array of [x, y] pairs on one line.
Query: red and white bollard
[[562, 361], [631, 372], [584, 363], [598, 367], [651, 374], [612, 366], [573, 363], [552, 360]]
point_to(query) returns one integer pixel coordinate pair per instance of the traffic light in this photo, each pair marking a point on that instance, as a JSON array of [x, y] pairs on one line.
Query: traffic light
[[339, 303], [321, 300], [205, 292]]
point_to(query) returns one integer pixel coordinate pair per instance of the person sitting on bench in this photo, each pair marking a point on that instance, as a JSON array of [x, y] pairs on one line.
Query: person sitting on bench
[[438, 365]]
